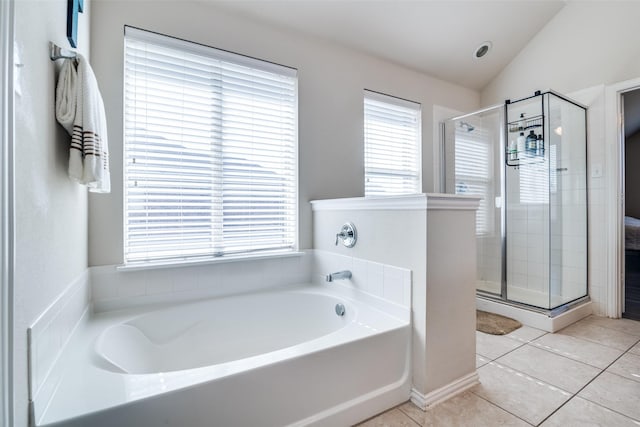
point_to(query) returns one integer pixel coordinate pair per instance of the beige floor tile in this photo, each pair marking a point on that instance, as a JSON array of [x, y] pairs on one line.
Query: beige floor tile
[[627, 366], [581, 413], [494, 346], [525, 334], [413, 412], [391, 418], [481, 361], [528, 398], [627, 326], [567, 374], [578, 349], [635, 349], [616, 393], [600, 335], [466, 409]]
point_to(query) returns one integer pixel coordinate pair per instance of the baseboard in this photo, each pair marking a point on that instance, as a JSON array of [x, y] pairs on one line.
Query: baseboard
[[426, 401]]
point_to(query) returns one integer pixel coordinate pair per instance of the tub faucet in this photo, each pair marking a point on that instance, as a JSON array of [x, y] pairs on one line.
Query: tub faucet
[[340, 275]]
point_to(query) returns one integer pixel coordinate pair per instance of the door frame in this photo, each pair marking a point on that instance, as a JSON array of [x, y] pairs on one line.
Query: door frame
[[6, 208], [614, 119]]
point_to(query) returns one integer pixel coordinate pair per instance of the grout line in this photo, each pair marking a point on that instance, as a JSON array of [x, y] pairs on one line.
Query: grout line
[[592, 380], [588, 342], [501, 408], [409, 415], [535, 378]]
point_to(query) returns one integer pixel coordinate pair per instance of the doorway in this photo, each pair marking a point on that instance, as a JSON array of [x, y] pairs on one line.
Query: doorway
[[631, 206]]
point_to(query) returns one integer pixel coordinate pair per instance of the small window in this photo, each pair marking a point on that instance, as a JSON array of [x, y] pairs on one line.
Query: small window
[[473, 166], [210, 152], [392, 140]]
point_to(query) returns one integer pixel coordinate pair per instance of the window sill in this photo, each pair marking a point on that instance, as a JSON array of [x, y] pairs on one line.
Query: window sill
[[151, 265]]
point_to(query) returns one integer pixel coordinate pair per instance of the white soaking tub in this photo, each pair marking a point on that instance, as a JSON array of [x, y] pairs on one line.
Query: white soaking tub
[[265, 359]]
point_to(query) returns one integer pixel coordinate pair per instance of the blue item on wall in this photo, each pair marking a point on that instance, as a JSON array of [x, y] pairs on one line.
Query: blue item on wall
[[73, 8]]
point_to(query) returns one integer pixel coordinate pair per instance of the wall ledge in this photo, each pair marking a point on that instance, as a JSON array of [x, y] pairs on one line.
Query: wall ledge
[[430, 201]]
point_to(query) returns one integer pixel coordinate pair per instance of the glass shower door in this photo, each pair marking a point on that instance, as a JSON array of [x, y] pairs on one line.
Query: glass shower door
[[472, 150], [568, 201]]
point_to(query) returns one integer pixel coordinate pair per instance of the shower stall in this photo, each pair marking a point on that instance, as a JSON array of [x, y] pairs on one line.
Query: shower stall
[[527, 160]]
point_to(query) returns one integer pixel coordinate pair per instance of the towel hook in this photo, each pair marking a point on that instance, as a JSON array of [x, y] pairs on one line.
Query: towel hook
[[56, 52]]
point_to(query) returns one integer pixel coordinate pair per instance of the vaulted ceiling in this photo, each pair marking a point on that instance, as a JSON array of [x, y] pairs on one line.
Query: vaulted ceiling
[[436, 37]]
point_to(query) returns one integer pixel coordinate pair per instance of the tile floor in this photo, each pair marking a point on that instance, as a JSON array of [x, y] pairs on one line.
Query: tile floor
[[587, 374]]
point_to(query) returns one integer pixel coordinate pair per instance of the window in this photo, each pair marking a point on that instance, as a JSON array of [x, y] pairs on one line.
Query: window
[[210, 151], [473, 166], [392, 135]]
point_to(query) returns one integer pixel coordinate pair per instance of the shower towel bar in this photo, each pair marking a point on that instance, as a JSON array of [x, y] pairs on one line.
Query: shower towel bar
[[56, 52]]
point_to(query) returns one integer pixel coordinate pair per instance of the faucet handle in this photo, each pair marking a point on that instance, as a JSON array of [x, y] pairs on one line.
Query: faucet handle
[[347, 234]]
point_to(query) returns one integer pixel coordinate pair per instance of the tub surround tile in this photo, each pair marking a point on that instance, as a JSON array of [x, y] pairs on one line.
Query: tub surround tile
[[551, 368], [512, 391], [581, 412], [392, 418], [375, 278], [614, 392], [112, 286], [578, 349], [49, 334], [627, 366], [359, 270], [393, 282], [494, 346], [600, 335]]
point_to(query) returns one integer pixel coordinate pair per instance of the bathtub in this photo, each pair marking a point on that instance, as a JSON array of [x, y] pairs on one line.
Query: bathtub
[[274, 358]]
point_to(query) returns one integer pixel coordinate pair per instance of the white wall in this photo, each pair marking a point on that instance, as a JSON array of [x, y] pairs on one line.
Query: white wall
[[585, 44], [50, 210], [331, 81]]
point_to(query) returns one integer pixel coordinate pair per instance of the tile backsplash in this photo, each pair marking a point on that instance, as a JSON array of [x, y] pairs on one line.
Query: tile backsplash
[[114, 288], [381, 280], [118, 288]]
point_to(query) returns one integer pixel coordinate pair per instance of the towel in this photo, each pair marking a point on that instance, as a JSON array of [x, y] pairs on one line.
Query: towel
[[80, 110]]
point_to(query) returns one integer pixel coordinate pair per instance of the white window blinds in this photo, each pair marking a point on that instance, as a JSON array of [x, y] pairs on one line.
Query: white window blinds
[[392, 156], [473, 166], [210, 151]]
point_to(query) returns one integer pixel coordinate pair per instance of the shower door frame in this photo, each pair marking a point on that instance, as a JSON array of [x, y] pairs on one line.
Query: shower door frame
[[503, 297], [6, 206]]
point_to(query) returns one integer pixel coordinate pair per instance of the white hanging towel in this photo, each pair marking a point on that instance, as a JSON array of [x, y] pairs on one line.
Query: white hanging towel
[[80, 110]]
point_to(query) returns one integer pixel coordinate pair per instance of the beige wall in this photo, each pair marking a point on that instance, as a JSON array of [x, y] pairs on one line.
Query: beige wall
[[50, 210], [331, 81]]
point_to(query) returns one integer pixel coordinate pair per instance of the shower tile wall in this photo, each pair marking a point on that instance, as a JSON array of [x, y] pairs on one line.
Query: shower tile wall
[[527, 240]]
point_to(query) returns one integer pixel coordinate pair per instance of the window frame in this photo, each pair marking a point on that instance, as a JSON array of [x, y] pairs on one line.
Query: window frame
[[292, 196]]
